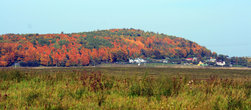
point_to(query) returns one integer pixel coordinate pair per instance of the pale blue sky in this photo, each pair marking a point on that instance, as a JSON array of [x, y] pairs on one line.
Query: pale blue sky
[[223, 26]]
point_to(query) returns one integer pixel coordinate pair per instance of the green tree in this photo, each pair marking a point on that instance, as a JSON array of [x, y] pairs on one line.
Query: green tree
[[43, 41], [249, 62], [56, 45], [63, 42]]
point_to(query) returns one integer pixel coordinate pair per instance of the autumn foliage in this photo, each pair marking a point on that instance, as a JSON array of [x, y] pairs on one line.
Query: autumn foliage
[[90, 48]]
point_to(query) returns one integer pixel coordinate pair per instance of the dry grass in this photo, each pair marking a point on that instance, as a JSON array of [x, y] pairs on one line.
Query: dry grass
[[124, 88]]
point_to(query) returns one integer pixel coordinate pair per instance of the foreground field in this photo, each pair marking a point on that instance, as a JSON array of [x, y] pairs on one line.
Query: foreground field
[[125, 88]]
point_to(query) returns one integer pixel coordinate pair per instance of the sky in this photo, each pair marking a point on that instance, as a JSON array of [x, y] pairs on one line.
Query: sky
[[223, 26]]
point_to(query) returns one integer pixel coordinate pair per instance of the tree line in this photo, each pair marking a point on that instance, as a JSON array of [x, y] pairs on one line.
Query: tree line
[[90, 48]]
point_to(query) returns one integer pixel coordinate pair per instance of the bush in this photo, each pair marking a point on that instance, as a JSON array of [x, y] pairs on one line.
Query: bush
[[142, 88], [77, 94], [234, 103], [30, 64], [13, 75], [31, 97]]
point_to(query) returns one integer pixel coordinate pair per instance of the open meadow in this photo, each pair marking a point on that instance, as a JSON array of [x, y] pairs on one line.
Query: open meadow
[[125, 88]]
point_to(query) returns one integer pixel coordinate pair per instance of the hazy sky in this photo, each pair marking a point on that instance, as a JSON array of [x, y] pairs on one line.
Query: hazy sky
[[223, 26]]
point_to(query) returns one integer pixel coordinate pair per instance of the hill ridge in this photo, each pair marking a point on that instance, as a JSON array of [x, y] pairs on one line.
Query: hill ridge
[[88, 48]]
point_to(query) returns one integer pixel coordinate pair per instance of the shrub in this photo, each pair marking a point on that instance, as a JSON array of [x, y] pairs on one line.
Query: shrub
[[31, 97]]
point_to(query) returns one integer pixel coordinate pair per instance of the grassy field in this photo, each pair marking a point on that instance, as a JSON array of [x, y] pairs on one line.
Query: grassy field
[[125, 88]]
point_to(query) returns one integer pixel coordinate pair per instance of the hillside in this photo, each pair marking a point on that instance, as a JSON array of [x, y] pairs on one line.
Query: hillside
[[94, 47]]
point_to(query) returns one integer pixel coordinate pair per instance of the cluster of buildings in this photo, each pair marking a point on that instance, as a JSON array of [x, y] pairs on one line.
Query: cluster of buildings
[[187, 61], [206, 62], [137, 60]]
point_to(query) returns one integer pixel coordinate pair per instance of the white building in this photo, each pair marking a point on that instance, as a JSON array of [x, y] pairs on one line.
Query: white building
[[165, 61], [131, 61], [221, 63], [137, 60]]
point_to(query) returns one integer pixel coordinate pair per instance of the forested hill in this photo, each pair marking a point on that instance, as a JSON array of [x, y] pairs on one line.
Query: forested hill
[[94, 47]]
